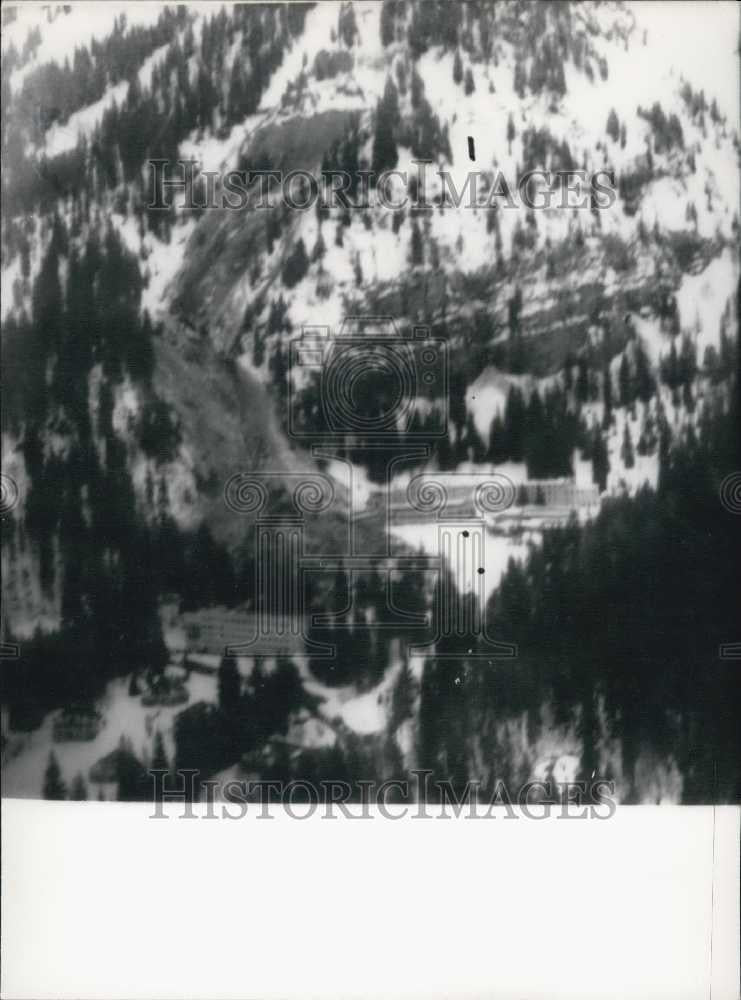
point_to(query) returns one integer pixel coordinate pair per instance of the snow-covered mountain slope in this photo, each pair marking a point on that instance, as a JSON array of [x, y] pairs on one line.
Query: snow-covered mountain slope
[[534, 89], [147, 351]]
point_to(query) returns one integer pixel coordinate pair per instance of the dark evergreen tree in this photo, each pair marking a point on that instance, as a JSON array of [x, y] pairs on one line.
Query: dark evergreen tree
[[582, 381], [54, 786], [474, 444], [626, 450], [341, 600], [607, 397], [388, 14], [229, 685], [457, 67], [78, 791], [385, 155], [511, 133], [296, 265], [319, 248], [159, 755], [417, 89], [625, 385], [645, 385], [497, 452], [404, 696], [133, 782], [346, 24], [600, 460], [613, 126], [520, 80], [416, 252]]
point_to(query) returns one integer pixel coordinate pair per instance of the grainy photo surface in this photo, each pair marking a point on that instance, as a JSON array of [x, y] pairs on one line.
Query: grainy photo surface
[[370, 405]]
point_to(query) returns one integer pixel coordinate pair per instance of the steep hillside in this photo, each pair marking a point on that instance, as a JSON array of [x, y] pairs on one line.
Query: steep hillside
[[147, 351]]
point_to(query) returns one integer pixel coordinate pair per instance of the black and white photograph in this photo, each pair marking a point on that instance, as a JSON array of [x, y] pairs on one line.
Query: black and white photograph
[[371, 440]]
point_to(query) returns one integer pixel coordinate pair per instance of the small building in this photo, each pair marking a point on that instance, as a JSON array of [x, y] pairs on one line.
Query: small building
[[213, 630]]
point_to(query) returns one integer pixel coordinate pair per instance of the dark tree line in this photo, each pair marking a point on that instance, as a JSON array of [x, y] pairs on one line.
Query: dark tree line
[[82, 517], [153, 120], [249, 712], [667, 129], [58, 91], [542, 432], [617, 612]]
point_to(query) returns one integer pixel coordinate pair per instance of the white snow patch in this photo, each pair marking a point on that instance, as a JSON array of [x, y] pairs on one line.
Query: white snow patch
[[62, 33], [124, 716], [702, 298], [498, 550]]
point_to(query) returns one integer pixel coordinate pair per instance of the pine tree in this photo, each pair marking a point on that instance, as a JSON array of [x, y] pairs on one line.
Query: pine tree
[[54, 786], [644, 381], [600, 460], [474, 444], [624, 382], [363, 663], [319, 248], [388, 9], [401, 78], [385, 155], [341, 597], [448, 24], [582, 381], [469, 86], [346, 25], [403, 697], [457, 67], [78, 791], [131, 778], [520, 81], [417, 89], [626, 451], [296, 265], [613, 126], [669, 368], [258, 350], [236, 99], [511, 133], [229, 684], [514, 424], [159, 756], [687, 364], [497, 452], [607, 397], [416, 253]]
